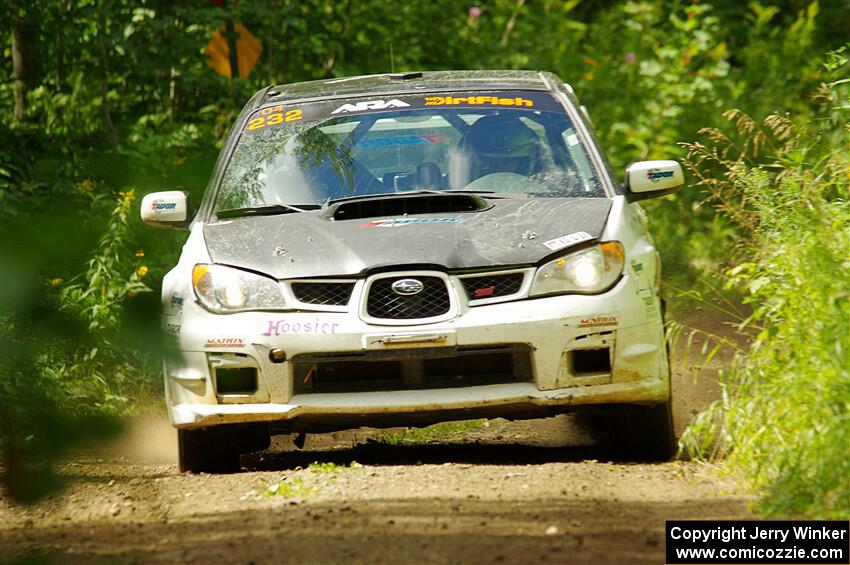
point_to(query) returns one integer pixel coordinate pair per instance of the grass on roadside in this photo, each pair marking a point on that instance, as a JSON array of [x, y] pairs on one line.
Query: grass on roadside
[[437, 432], [783, 422]]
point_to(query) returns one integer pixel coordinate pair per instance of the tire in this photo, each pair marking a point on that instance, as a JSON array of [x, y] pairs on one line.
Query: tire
[[643, 433], [253, 438], [209, 450]]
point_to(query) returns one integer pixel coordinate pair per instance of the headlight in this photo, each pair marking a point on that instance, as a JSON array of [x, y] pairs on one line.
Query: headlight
[[225, 289], [587, 271]]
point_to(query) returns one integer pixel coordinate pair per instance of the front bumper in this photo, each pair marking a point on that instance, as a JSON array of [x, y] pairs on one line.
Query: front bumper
[[623, 324]]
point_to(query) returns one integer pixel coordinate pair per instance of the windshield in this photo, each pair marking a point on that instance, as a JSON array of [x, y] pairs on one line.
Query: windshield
[[511, 143]]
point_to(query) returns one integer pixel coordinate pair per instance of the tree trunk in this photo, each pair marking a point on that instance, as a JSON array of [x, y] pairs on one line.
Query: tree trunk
[[104, 86], [24, 62]]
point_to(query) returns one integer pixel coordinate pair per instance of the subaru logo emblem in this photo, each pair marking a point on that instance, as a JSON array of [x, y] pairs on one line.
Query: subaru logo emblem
[[407, 287]]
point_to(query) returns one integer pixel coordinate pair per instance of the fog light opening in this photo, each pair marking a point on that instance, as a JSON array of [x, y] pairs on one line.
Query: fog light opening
[[239, 380], [591, 361]]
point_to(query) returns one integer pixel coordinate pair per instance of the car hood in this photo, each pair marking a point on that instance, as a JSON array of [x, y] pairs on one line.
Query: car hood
[[510, 232]]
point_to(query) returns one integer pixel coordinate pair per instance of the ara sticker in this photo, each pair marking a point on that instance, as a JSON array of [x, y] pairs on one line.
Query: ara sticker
[[567, 240], [597, 321], [370, 105], [176, 300], [225, 342], [397, 222]]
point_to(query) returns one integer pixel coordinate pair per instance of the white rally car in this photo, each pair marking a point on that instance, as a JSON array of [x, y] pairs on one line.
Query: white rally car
[[409, 248]]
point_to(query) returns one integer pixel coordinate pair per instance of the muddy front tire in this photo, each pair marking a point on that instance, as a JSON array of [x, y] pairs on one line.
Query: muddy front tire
[[643, 433], [209, 450]]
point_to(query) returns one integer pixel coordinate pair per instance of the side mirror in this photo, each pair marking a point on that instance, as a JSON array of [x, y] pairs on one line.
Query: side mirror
[[649, 179], [169, 209]]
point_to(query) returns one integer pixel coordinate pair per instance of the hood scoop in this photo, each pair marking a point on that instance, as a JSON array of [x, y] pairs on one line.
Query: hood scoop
[[409, 205]]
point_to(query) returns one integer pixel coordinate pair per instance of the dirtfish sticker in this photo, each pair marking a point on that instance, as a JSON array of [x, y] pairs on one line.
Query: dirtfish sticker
[[160, 205], [567, 240], [370, 105], [478, 101], [397, 222], [656, 175]]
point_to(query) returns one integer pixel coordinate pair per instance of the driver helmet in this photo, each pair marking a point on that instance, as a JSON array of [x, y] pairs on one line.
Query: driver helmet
[[501, 145]]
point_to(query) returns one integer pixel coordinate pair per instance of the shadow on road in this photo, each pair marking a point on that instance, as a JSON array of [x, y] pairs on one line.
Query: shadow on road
[[374, 453]]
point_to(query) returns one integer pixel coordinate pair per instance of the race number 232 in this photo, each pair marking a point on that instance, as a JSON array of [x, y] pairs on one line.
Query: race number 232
[[273, 117]]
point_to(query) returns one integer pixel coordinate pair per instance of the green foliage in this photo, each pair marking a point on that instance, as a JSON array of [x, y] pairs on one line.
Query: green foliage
[[330, 468], [290, 488], [784, 420], [40, 418], [296, 487], [97, 296], [119, 97], [437, 432]]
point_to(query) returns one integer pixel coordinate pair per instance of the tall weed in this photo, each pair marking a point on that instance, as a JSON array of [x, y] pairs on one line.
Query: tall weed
[[783, 422]]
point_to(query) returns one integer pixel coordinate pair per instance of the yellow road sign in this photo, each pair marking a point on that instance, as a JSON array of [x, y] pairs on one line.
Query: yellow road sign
[[248, 51]]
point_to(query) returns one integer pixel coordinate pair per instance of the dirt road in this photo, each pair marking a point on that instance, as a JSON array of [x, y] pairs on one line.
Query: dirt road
[[521, 492]]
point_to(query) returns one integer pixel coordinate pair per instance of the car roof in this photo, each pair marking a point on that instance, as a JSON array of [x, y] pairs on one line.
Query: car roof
[[408, 83]]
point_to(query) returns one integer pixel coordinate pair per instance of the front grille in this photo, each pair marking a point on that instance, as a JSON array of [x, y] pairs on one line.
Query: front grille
[[384, 302], [323, 293], [492, 286]]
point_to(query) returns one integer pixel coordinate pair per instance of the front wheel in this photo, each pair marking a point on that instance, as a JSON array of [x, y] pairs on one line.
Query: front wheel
[[208, 450], [643, 433]]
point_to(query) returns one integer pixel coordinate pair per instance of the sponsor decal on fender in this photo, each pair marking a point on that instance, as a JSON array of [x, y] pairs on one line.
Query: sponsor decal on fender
[[597, 321], [225, 342], [286, 327]]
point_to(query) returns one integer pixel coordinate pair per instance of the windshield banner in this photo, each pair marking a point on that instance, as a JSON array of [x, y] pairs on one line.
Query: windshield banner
[[283, 114]]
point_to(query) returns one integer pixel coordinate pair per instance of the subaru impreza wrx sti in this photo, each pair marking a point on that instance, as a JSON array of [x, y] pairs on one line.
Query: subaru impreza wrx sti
[[409, 248]]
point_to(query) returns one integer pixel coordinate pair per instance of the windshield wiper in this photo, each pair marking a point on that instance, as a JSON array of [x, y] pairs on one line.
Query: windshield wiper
[[266, 210]]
